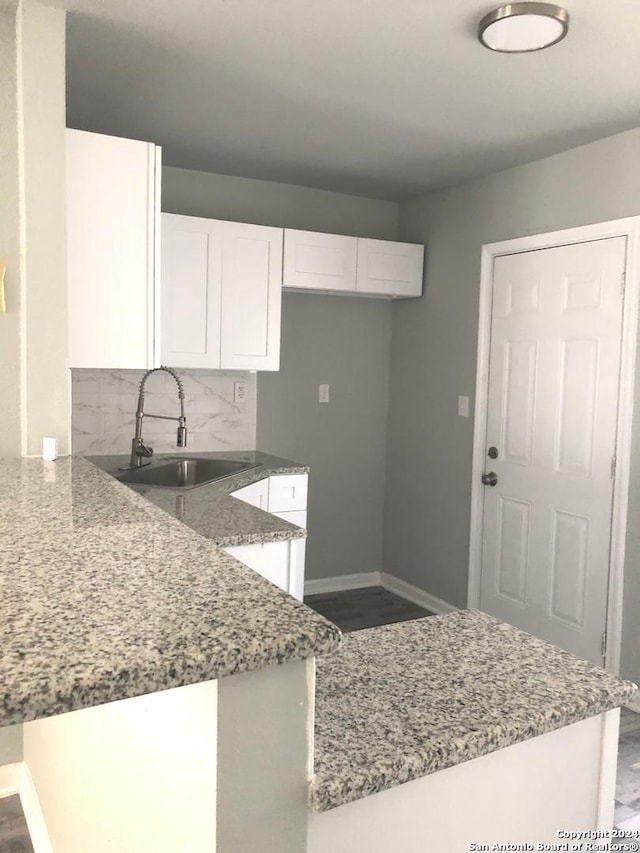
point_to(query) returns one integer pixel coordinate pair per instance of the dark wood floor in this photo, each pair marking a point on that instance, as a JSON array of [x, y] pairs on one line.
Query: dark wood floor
[[371, 607], [14, 835]]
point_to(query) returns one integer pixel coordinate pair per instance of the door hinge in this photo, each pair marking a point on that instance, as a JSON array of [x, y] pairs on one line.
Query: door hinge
[[623, 284], [613, 466], [603, 646]]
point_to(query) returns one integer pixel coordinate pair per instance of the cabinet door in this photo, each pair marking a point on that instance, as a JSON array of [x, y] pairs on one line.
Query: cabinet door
[[112, 211], [256, 494], [191, 291], [270, 560], [389, 269], [251, 297], [319, 261], [298, 551], [287, 492]]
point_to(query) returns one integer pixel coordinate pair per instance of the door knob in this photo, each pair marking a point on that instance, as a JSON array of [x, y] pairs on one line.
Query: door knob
[[490, 479]]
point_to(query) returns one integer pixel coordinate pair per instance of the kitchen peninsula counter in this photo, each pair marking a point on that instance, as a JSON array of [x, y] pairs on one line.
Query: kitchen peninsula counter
[[106, 597], [402, 701], [459, 730]]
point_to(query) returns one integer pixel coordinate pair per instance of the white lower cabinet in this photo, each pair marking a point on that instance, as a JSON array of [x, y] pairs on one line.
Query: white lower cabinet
[[269, 559], [287, 493], [298, 552], [220, 294], [285, 496], [256, 494]]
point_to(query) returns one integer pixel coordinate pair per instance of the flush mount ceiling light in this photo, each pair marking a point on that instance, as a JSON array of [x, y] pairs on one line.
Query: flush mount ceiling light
[[523, 27]]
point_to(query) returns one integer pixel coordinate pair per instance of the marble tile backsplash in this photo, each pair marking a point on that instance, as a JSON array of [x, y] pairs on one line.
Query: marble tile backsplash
[[104, 406]]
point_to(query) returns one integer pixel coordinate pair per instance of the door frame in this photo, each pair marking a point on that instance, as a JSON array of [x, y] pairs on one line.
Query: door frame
[[629, 228]]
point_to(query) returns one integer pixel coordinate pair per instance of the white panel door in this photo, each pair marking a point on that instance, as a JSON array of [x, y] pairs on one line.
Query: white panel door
[[112, 211], [191, 291], [251, 297], [388, 268], [319, 261], [552, 414]]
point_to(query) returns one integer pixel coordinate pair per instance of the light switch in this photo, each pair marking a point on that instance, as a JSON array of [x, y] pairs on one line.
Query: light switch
[[463, 407], [323, 393]]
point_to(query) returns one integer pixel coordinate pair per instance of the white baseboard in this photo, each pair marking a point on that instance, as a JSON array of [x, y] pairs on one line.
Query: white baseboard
[[33, 813], [10, 776], [415, 594], [16, 779], [342, 582], [390, 582]]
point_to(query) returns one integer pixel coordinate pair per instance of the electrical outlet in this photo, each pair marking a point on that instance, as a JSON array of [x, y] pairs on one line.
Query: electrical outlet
[[240, 391], [323, 393]]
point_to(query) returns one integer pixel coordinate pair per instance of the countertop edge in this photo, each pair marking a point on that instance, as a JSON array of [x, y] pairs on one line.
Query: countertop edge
[[327, 793]]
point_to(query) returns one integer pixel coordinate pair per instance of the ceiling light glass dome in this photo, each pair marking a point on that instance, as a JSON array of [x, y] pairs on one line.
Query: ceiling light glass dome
[[523, 27]]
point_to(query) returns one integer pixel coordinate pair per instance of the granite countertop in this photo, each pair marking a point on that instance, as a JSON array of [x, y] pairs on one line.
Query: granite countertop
[[104, 596], [405, 700], [209, 509]]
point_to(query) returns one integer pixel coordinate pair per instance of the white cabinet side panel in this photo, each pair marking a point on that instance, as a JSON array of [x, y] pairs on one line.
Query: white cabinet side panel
[[523, 794], [135, 775], [110, 238]]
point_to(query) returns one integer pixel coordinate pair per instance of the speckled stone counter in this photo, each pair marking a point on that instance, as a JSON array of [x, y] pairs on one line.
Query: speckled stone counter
[[405, 700], [104, 596], [209, 509]]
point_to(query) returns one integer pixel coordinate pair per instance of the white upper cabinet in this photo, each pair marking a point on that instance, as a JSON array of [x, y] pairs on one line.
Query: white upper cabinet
[[112, 213], [386, 268], [220, 294], [352, 265], [319, 261], [190, 291], [251, 297]]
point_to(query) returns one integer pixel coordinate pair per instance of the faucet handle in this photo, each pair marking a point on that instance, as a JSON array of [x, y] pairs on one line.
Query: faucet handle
[[143, 450]]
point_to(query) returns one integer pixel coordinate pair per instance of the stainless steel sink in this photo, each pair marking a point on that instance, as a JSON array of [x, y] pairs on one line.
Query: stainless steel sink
[[185, 473]]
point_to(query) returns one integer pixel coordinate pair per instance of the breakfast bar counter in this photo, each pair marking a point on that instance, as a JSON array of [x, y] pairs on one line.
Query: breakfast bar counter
[[462, 704]]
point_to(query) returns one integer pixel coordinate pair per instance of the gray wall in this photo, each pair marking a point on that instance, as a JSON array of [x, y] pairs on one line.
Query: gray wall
[[280, 205], [345, 342], [426, 535], [340, 340]]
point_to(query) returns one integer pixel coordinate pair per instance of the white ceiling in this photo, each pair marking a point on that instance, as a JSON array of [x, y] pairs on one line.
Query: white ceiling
[[381, 98]]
